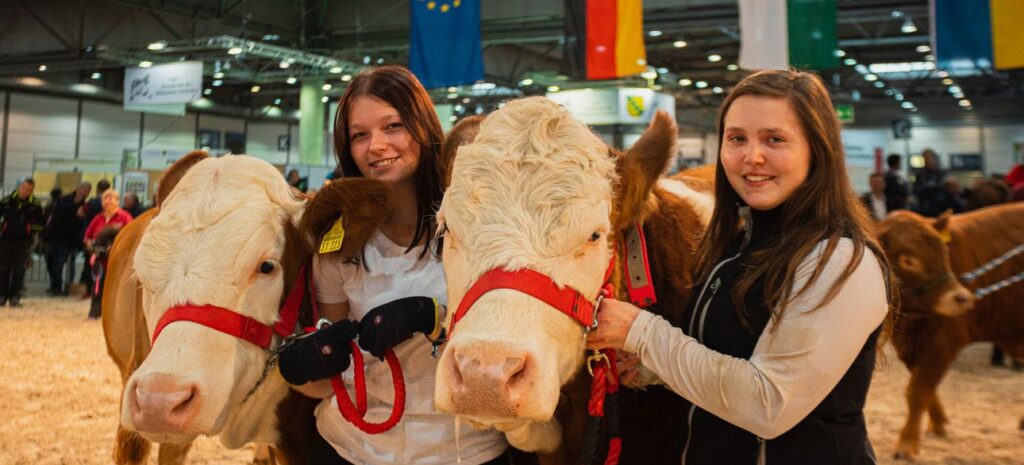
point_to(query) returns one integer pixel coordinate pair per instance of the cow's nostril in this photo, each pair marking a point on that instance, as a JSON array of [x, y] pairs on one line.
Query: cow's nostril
[[185, 404]]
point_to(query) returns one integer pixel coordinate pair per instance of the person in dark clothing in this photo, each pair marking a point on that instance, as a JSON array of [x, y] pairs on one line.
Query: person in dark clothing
[[64, 229], [297, 181], [21, 220], [88, 212], [132, 205], [778, 341], [875, 201], [929, 186], [896, 188]]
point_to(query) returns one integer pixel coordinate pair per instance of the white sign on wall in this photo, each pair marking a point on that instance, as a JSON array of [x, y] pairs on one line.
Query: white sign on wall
[[163, 84]]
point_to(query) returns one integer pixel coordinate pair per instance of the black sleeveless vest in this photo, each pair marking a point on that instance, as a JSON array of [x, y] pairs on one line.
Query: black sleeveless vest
[[833, 433]]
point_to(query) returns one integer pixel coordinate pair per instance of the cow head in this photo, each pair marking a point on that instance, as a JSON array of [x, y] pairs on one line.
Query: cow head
[[916, 246], [225, 236], [536, 189]]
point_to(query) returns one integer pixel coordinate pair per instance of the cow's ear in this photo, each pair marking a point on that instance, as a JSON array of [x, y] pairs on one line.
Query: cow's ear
[[462, 134], [941, 223], [362, 203], [176, 172], [640, 167]]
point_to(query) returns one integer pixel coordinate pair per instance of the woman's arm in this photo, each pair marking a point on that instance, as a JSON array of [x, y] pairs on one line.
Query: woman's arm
[[795, 363]]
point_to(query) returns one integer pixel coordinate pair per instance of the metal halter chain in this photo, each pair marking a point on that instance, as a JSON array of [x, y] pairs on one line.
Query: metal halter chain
[[970, 276]]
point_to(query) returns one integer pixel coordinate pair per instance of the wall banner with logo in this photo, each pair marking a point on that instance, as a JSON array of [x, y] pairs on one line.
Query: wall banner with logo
[[177, 83]]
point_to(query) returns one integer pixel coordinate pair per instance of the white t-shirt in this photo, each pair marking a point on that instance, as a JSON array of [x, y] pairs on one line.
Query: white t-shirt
[[424, 435]]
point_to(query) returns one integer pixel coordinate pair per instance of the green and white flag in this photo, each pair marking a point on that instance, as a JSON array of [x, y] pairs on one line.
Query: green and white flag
[[783, 34]]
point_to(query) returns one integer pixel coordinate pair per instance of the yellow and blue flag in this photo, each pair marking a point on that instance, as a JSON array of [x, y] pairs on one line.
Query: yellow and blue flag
[[445, 43], [984, 34]]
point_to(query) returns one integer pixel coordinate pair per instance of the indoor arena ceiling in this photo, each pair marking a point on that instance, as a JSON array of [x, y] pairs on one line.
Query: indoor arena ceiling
[[60, 46]]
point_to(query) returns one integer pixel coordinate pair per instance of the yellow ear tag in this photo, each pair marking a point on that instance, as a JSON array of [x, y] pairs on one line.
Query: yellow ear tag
[[332, 240], [946, 236]]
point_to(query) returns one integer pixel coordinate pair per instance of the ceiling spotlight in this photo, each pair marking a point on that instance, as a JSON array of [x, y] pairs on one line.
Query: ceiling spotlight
[[465, 100], [217, 83], [840, 53], [947, 82], [942, 74], [654, 33], [685, 82], [526, 82], [291, 80], [277, 101], [218, 75], [849, 62], [453, 118], [145, 64], [284, 65], [159, 45], [954, 89], [701, 84], [254, 89], [207, 91], [366, 59], [923, 49], [326, 87], [346, 77], [898, 97], [380, 60], [897, 14], [453, 89], [453, 96], [324, 99], [42, 67], [879, 84], [732, 67], [908, 26], [717, 90], [96, 75], [870, 77], [889, 92], [958, 95], [679, 44], [649, 74], [929, 57], [335, 70], [662, 70], [554, 88], [714, 58], [907, 105], [964, 103], [234, 50], [458, 107]]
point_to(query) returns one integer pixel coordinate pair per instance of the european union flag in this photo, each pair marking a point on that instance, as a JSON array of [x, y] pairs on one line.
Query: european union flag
[[445, 43]]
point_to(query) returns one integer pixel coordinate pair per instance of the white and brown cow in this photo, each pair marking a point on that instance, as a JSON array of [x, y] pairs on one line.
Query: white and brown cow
[[228, 234], [536, 189]]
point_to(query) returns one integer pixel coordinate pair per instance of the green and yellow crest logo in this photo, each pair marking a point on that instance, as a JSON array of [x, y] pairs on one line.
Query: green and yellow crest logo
[[635, 105]]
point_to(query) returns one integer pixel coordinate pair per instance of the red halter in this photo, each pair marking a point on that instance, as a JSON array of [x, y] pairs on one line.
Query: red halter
[[235, 324]]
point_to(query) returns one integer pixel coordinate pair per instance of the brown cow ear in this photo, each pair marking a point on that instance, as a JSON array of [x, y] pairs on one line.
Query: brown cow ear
[[942, 221], [640, 168], [363, 203], [462, 134], [176, 172]]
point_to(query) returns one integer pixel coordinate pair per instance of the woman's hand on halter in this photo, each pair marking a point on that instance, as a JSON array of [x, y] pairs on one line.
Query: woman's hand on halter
[[614, 318]]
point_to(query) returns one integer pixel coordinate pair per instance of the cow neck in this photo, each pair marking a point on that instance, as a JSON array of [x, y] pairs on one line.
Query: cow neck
[[236, 324]]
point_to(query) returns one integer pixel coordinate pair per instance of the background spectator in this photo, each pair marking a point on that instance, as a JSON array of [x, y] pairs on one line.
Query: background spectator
[[64, 229], [896, 188], [297, 181], [876, 201], [929, 186], [88, 213], [132, 205], [21, 220], [105, 225]]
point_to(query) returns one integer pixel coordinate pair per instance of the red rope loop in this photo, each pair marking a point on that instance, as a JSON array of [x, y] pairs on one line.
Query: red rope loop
[[356, 414]]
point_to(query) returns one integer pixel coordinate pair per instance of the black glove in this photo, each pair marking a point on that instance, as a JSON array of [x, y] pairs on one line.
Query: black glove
[[390, 324], [318, 355]]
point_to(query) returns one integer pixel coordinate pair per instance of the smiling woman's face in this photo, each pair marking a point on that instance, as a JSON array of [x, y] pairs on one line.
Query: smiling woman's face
[[381, 145], [764, 152]]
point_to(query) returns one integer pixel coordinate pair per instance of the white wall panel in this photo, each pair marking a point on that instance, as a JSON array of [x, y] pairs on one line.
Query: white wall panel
[[107, 130], [999, 141], [262, 142], [39, 126], [170, 133]]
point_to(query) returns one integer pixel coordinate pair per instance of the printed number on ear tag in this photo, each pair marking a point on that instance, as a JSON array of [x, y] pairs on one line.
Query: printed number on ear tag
[[332, 240]]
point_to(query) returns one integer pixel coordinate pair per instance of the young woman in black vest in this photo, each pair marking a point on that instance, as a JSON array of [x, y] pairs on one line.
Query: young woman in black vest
[[778, 345]]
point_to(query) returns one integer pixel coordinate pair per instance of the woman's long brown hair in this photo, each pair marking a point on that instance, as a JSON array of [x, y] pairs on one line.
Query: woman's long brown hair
[[823, 208]]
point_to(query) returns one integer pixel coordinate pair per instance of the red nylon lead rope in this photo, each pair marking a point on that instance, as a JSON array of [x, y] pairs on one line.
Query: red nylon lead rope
[[356, 414]]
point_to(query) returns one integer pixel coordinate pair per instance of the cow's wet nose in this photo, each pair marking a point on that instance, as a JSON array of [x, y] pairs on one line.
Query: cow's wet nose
[[489, 380], [163, 404]]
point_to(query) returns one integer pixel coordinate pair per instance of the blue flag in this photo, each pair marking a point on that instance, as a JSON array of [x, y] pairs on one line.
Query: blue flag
[[445, 42]]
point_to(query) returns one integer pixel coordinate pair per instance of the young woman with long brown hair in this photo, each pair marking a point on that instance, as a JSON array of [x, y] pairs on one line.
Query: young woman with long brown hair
[[778, 345]]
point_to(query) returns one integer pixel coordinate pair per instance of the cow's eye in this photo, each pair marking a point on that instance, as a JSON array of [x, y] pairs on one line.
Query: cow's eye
[[267, 267], [596, 236]]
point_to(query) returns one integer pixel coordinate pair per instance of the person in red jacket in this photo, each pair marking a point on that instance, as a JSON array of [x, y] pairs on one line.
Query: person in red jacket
[[112, 216], [104, 225]]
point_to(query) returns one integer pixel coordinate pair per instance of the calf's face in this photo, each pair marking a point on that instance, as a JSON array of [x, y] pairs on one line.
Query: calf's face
[[920, 256], [220, 239]]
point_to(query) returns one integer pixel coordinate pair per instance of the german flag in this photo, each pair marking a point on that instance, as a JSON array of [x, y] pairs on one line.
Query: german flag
[[604, 38]]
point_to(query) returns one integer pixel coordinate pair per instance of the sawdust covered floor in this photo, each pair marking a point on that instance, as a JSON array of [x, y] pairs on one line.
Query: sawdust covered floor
[[59, 398]]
